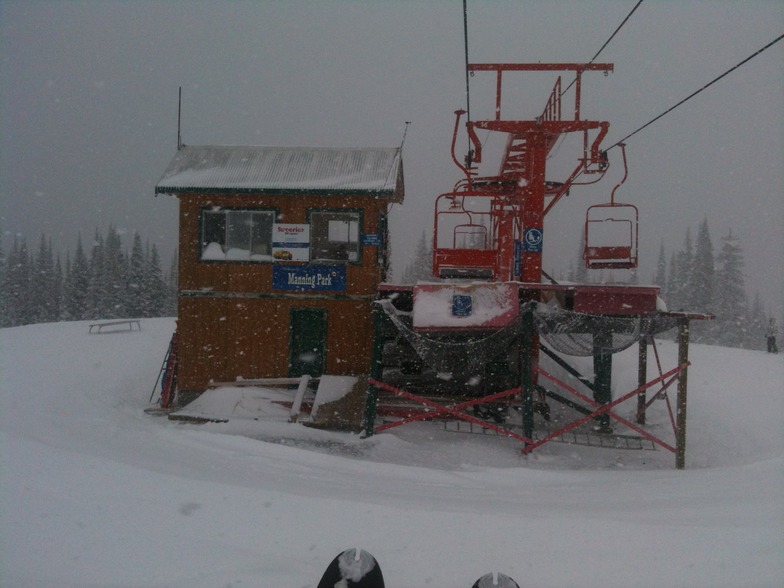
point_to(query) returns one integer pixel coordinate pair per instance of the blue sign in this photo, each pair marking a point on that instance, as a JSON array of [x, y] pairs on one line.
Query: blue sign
[[306, 278], [372, 239], [462, 305], [532, 240]]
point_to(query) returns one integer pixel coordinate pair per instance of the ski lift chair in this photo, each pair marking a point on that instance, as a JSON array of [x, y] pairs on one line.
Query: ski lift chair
[[611, 236], [611, 231]]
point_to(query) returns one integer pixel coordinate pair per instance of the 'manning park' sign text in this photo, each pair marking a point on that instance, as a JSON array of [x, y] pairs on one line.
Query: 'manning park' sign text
[[331, 278]]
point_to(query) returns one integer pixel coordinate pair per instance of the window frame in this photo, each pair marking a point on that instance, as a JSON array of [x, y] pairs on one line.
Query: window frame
[[360, 220], [205, 211]]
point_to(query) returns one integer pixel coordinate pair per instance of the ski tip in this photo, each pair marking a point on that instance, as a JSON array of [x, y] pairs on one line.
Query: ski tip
[[353, 568], [496, 580]]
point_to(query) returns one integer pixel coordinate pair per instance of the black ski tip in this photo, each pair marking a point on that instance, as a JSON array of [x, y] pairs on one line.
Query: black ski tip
[[496, 580], [352, 568]]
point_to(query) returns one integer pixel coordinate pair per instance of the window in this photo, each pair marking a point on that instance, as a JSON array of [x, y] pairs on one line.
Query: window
[[236, 235], [334, 236]]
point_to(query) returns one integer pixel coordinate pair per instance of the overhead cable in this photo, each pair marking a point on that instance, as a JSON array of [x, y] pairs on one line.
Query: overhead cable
[[607, 42], [693, 94]]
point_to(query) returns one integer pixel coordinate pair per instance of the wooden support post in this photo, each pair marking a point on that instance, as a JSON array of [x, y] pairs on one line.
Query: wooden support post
[[642, 378], [683, 358], [602, 368], [376, 370]]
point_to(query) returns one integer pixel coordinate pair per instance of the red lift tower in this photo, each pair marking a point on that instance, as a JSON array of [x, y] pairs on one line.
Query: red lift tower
[[493, 227], [479, 324]]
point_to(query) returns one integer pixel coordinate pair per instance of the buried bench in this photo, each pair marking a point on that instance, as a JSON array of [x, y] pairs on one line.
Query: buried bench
[[98, 327]]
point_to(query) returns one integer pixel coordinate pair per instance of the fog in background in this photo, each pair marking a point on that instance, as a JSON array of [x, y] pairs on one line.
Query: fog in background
[[89, 107]]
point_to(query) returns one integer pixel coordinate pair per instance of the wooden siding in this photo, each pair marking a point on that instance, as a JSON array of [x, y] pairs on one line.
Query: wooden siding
[[232, 325], [223, 339]]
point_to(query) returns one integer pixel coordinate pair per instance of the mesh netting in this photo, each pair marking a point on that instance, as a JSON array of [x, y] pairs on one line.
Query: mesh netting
[[468, 355], [568, 332], [575, 333]]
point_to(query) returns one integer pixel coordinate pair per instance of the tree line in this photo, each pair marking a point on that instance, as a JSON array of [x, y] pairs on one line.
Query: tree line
[[696, 278], [699, 278], [103, 282]]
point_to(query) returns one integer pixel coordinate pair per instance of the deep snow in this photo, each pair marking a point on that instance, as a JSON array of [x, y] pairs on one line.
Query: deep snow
[[97, 493]]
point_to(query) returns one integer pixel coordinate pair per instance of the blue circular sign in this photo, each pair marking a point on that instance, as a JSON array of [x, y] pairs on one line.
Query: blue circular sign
[[532, 240]]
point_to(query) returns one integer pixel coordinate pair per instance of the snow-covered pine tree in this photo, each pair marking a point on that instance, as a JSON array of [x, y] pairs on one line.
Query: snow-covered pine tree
[[154, 285], [136, 294], [700, 282], [18, 284], [660, 277], [731, 307], [3, 296], [680, 267], [97, 296], [57, 311], [420, 267], [115, 272], [758, 322], [77, 286], [42, 302]]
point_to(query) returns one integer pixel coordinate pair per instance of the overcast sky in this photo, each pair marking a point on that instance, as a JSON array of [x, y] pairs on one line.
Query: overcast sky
[[89, 107]]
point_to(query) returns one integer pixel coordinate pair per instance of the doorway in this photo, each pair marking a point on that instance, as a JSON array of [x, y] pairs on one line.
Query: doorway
[[307, 341]]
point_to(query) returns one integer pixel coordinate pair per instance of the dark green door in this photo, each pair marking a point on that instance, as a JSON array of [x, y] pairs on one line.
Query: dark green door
[[307, 341]]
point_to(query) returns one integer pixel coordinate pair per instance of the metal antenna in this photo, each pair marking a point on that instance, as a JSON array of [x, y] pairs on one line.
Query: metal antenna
[[405, 131], [465, 39], [179, 119]]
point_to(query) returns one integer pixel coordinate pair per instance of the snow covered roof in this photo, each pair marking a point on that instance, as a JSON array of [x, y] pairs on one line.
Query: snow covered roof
[[290, 170]]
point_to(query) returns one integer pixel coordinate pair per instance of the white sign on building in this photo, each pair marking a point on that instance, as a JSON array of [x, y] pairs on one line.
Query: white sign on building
[[290, 242]]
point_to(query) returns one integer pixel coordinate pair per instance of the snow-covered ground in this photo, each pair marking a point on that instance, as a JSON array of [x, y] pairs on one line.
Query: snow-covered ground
[[97, 493]]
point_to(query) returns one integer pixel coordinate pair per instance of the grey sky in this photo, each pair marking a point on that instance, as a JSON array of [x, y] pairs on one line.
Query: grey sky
[[89, 106]]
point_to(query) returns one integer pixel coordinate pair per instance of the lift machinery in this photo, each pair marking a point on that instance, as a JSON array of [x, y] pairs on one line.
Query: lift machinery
[[489, 304]]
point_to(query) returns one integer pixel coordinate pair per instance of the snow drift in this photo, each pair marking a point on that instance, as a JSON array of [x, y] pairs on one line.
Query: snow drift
[[97, 493]]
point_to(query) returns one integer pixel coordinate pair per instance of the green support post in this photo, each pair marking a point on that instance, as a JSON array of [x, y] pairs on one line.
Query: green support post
[[642, 379], [602, 369], [376, 370], [527, 334]]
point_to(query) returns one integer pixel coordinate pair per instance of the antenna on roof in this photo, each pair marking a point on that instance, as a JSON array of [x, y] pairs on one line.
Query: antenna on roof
[[179, 118], [408, 122]]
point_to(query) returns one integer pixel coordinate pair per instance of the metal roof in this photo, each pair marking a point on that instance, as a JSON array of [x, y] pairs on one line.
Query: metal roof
[[282, 170]]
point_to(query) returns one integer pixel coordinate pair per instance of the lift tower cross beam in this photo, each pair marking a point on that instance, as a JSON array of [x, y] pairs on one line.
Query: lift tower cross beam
[[519, 199]]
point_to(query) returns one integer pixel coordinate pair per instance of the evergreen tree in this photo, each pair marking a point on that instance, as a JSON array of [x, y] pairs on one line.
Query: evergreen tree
[[679, 276], [730, 301], [59, 284], [108, 284], [755, 331], [154, 286], [77, 286], [42, 294], [701, 281], [673, 286], [96, 293], [3, 297], [421, 266], [18, 285], [660, 278], [115, 275], [137, 296]]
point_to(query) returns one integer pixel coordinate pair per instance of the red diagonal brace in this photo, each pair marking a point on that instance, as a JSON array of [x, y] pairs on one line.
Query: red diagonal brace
[[454, 410], [607, 408]]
